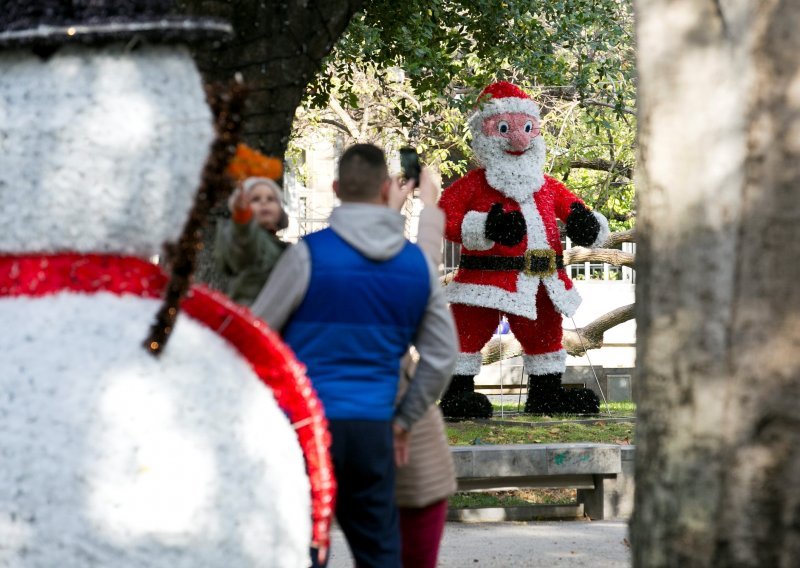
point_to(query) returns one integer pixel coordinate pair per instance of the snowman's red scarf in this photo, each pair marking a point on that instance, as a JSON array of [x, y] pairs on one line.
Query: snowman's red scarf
[[271, 360]]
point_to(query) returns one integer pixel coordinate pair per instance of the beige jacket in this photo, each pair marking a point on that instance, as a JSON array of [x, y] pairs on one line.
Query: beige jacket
[[429, 476]]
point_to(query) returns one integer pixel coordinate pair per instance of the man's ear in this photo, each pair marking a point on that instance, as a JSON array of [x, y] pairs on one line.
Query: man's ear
[[387, 183], [336, 187]]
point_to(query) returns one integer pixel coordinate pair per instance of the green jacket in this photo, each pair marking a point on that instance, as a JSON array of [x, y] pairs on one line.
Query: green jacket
[[247, 253]]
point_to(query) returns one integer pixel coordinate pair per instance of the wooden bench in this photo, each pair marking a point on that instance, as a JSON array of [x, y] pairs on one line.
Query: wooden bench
[[601, 473]]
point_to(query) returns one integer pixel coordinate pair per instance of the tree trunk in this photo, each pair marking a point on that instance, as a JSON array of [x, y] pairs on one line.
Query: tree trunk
[[717, 300], [278, 49]]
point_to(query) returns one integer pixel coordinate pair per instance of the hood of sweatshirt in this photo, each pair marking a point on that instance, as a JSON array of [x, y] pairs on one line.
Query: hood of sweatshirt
[[375, 231]]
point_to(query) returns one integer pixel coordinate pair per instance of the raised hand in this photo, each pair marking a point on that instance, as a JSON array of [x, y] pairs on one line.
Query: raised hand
[[582, 226], [505, 228]]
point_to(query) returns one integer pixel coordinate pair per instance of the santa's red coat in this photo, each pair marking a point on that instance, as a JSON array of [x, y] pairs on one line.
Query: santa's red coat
[[466, 203]]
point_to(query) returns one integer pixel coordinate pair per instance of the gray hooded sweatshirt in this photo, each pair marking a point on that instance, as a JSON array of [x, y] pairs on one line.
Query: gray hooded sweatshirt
[[376, 232]]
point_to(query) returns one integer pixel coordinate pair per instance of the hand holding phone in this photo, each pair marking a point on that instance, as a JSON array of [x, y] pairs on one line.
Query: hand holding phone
[[409, 163]]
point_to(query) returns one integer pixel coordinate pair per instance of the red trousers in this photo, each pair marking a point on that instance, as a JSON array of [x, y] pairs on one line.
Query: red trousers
[[421, 532], [543, 335]]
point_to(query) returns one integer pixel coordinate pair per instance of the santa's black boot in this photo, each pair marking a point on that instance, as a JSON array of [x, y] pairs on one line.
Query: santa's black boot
[[461, 401], [547, 396]]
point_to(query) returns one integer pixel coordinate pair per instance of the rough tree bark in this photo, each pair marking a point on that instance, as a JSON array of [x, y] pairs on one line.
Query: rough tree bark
[[717, 304], [616, 257], [278, 48]]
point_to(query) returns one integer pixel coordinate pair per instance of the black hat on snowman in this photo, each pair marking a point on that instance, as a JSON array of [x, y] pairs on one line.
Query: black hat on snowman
[[48, 24]]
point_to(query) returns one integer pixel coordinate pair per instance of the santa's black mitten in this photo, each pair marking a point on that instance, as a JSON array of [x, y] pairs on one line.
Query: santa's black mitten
[[582, 226], [504, 228]]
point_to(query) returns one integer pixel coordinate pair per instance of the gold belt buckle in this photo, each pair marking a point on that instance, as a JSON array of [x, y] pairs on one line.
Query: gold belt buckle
[[548, 254]]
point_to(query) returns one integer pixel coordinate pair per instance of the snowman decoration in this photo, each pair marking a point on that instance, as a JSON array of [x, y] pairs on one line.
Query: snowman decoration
[[111, 456]]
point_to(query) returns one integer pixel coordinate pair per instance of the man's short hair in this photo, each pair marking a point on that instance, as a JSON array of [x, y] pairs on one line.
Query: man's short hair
[[362, 171]]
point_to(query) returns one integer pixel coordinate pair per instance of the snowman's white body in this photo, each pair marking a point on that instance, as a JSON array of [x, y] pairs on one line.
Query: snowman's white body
[[109, 456]]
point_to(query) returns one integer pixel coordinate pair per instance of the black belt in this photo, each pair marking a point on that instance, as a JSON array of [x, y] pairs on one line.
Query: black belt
[[538, 262]]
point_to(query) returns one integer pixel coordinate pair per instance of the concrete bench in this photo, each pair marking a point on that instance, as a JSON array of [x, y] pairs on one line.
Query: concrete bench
[[601, 473]]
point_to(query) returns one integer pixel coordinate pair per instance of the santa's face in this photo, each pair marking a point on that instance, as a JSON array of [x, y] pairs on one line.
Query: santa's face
[[515, 130], [510, 147]]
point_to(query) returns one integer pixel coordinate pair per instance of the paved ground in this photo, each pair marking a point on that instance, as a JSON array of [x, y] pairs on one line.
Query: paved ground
[[568, 544]]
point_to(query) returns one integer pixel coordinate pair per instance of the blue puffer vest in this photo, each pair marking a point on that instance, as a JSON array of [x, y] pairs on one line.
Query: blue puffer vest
[[356, 321]]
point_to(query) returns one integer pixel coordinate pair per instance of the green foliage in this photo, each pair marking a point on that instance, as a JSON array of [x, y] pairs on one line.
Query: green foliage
[[444, 43], [411, 71], [575, 137], [516, 498], [477, 433]]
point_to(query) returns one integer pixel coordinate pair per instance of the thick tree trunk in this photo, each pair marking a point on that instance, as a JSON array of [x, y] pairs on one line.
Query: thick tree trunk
[[717, 302], [278, 49]]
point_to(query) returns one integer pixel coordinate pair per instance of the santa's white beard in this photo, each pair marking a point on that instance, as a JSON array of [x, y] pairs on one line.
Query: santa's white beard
[[517, 177]]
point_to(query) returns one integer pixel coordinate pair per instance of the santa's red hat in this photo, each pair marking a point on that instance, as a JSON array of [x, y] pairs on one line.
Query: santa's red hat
[[501, 97]]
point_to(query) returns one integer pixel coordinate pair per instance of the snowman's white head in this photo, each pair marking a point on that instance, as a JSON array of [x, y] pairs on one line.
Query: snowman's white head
[[101, 148]]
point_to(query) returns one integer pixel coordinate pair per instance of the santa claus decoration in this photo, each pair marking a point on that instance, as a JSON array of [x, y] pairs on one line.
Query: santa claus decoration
[[504, 216], [113, 456]]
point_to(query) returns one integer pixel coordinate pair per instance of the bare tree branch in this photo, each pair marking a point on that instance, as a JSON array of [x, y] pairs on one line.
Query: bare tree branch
[[620, 237], [592, 102], [621, 217], [603, 166], [611, 256], [578, 341], [364, 123], [352, 127], [335, 123], [408, 97], [570, 93]]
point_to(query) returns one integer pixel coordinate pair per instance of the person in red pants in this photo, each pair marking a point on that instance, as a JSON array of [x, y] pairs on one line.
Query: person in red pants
[[423, 485]]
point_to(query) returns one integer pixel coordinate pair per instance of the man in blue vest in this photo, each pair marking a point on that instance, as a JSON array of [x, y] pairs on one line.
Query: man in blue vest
[[349, 300]]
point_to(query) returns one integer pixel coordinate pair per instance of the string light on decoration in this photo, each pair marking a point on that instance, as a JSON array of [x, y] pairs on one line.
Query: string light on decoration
[[227, 105]]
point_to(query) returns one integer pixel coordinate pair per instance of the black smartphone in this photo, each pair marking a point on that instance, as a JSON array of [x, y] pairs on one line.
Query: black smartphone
[[409, 163]]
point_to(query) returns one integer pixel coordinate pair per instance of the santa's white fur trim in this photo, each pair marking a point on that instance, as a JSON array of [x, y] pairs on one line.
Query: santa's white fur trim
[[565, 301], [546, 363], [101, 149], [468, 364], [473, 228], [537, 236], [517, 177], [604, 230], [522, 302], [499, 106]]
